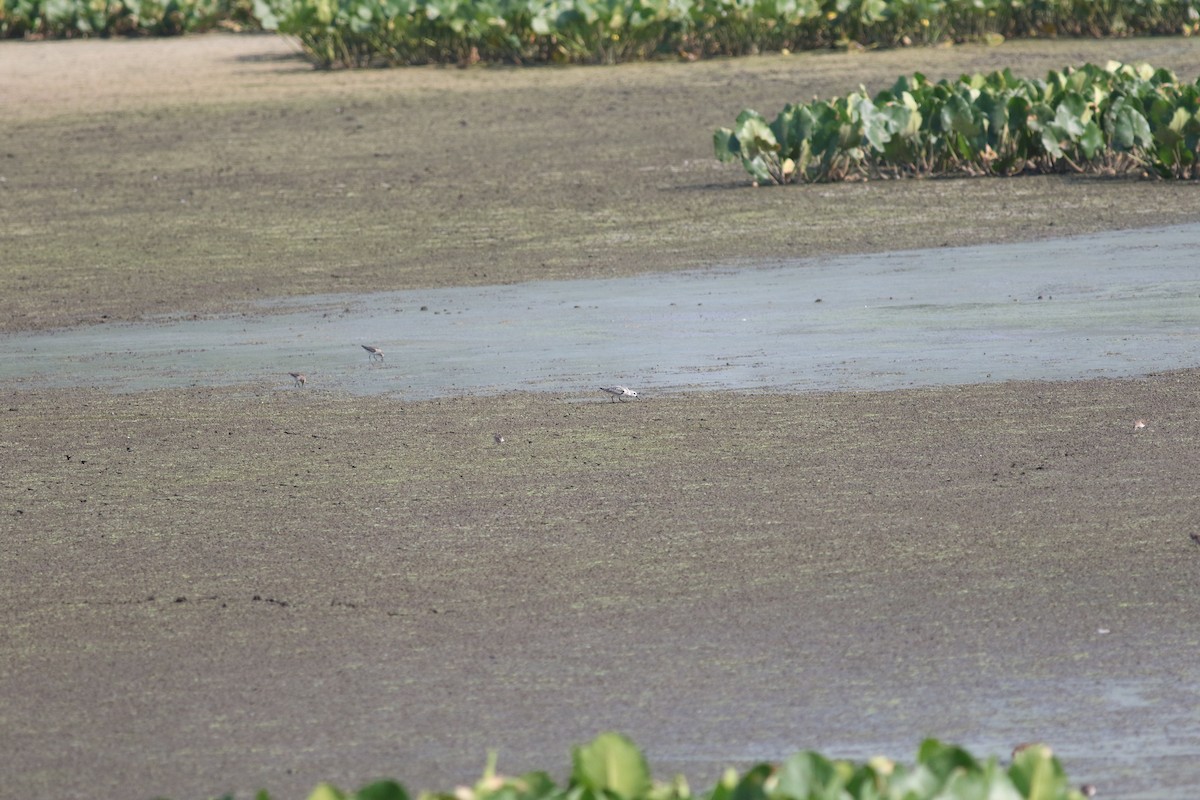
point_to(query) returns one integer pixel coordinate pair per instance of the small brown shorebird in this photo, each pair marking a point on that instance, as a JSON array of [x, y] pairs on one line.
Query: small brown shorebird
[[619, 392], [373, 352], [299, 377]]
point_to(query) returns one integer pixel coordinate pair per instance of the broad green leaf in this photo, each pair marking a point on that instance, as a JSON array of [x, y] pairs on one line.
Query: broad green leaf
[[538, 785], [677, 789], [907, 121], [958, 117], [1166, 158], [875, 125], [1128, 128], [724, 788], [808, 775], [1092, 140], [1180, 120], [1069, 116], [942, 759], [918, 782], [873, 11], [804, 160], [805, 123], [759, 167], [754, 135], [326, 791], [382, 790], [1037, 775], [265, 13], [980, 785], [872, 780], [1052, 141], [994, 112], [611, 763], [752, 786], [725, 145]]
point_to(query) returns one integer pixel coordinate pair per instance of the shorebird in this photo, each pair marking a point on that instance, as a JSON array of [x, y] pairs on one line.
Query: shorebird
[[619, 392], [299, 378], [1139, 424], [374, 352], [497, 438]]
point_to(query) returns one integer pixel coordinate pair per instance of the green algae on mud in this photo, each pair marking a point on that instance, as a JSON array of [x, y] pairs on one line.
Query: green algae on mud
[[247, 176], [774, 571]]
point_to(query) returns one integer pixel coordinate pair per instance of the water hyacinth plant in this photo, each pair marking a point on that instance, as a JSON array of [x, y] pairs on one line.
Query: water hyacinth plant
[[611, 767], [1116, 119], [349, 33], [78, 18]]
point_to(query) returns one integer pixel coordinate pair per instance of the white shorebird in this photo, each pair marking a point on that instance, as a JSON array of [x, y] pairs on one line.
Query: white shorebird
[[374, 352], [299, 378], [619, 392]]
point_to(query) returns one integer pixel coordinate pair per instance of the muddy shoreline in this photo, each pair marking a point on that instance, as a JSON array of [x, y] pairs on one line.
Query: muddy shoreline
[[226, 588], [214, 590], [241, 174]]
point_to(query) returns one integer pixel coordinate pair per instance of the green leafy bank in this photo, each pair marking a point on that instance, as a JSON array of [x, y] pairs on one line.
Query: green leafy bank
[[612, 768], [355, 33], [79, 18], [1116, 119]]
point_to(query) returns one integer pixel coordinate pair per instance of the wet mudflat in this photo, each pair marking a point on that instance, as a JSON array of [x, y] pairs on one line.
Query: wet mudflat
[[243, 174], [227, 589], [226, 583]]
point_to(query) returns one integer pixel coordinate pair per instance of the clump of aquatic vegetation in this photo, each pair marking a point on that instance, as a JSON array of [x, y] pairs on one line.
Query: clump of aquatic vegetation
[[61, 19], [355, 33], [1110, 120], [611, 767]]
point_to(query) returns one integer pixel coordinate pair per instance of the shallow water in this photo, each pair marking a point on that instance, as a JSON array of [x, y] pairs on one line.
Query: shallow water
[[1135, 737], [1116, 304]]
